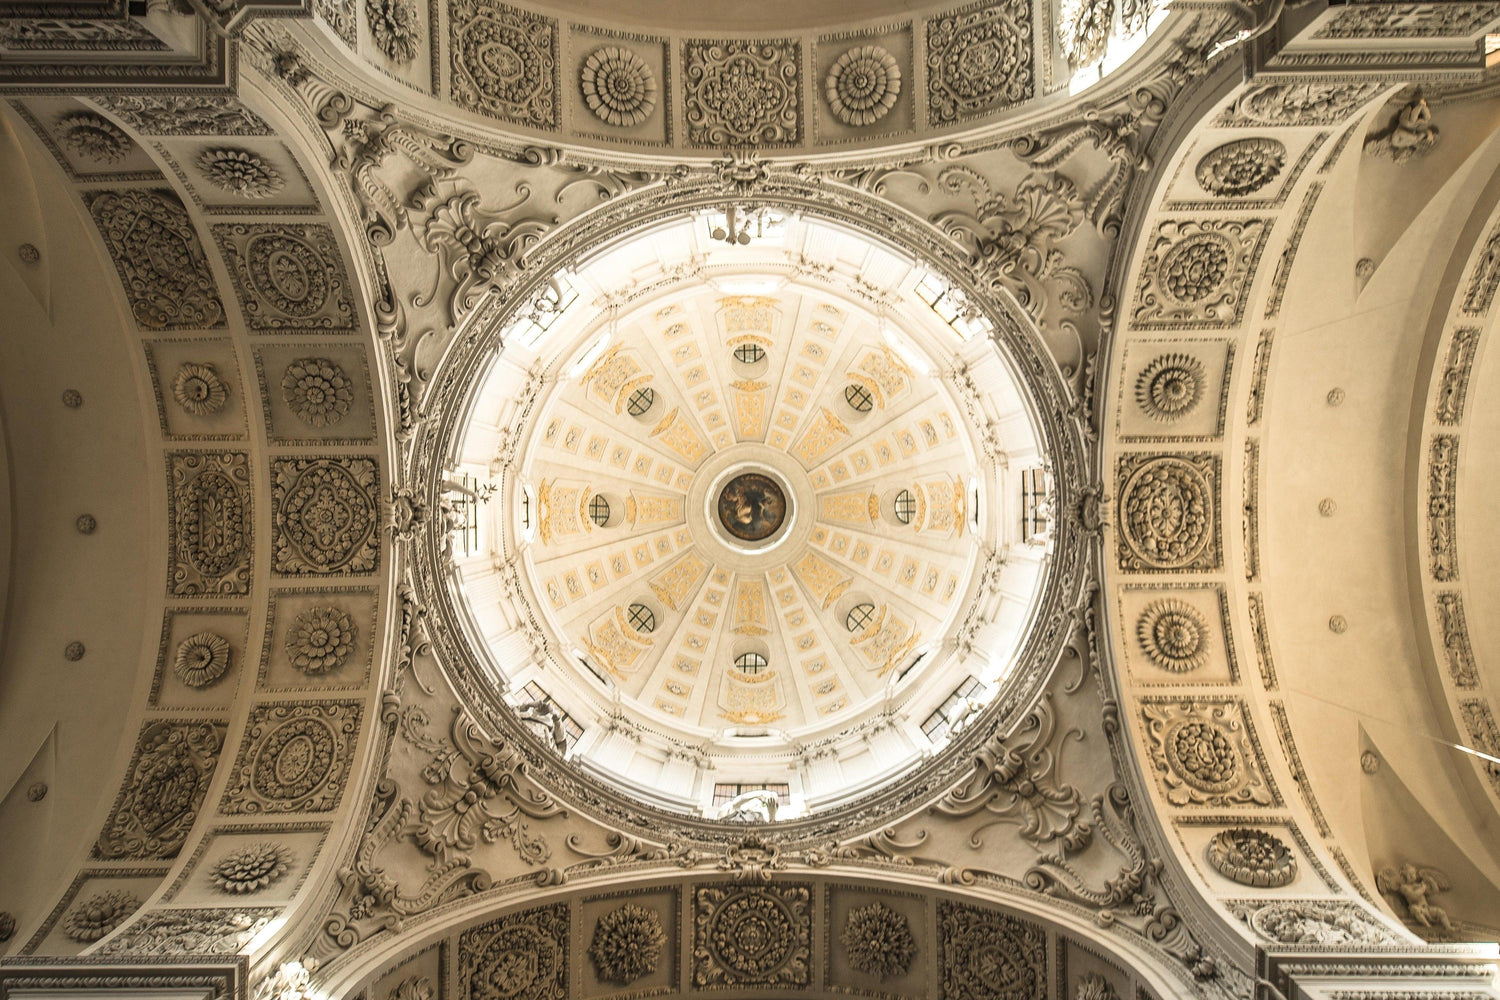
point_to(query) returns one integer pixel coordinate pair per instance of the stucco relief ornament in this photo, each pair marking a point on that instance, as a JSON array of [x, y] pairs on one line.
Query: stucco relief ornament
[[102, 913], [1166, 513], [240, 172], [251, 869], [199, 390], [1174, 635], [1242, 167], [1252, 857], [317, 391], [741, 93], [395, 27], [618, 86], [1205, 754], [412, 988], [862, 85], [201, 659], [1413, 886], [752, 937], [326, 515], [1170, 386], [1319, 923], [91, 136], [627, 944], [879, 940], [1095, 987], [321, 640], [1083, 29]]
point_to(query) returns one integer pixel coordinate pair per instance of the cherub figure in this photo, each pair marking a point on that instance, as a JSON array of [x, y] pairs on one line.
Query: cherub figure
[[1414, 885]]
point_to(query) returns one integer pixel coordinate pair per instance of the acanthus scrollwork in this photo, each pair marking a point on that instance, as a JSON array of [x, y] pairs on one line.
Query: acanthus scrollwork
[[1015, 780], [476, 797], [1014, 239]]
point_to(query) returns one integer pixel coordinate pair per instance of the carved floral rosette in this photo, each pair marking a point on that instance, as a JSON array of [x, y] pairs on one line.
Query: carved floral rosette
[[294, 758]]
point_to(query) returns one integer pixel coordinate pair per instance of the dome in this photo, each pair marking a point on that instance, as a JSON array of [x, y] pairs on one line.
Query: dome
[[754, 508]]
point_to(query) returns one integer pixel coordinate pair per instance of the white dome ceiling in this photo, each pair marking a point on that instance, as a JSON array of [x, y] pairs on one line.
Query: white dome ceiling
[[816, 359]]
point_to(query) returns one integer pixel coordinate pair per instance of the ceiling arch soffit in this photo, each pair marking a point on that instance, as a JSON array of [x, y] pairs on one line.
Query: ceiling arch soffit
[[1201, 295], [248, 319]]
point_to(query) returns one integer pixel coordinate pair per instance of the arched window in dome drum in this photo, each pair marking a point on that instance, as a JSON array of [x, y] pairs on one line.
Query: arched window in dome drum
[[905, 506], [750, 663], [640, 401], [858, 398], [641, 619], [749, 354], [599, 510], [859, 616]]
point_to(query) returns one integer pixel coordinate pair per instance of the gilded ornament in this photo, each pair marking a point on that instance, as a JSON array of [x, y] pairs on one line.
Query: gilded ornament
[[395, 27], [1369, 762], [1338, 624], [201, 659], [1252, 857], [879, 941], [198, 389], [72, 398], [627, 944], [251, 868], [1241, 167], [29, 254], [1328, 506], [321, 640], [91, 136], [241, 172], [36, 791], [102, 913], [73, 651], [317, 391], [86, 524], [1174, 635], [1170, 386], [862, 85], [1335, 396], [618, 86]]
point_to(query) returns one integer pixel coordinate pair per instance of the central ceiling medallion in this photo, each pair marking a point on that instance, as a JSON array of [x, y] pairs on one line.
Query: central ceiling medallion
[[752, 507]]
